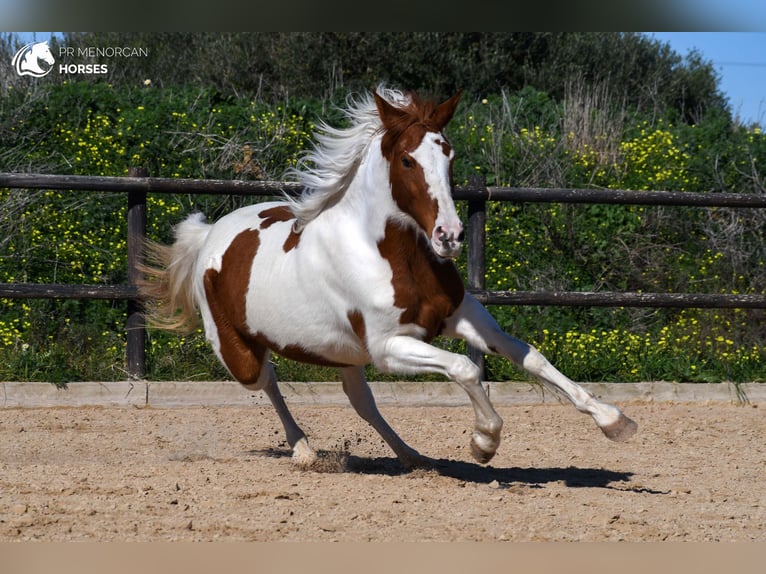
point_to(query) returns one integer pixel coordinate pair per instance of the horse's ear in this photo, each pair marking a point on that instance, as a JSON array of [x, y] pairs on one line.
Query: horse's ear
[[443, 114], [389, 114]]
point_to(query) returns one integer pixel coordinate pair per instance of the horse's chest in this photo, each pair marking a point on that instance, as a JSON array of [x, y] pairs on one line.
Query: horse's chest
[[426, 288]]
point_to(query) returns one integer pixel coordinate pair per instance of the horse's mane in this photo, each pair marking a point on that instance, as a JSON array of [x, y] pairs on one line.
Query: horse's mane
[[326, 171]]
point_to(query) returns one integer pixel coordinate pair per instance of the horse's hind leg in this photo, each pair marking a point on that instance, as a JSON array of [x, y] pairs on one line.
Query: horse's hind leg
[[303, 454], [361, 398], [473, 323], [248, 362]]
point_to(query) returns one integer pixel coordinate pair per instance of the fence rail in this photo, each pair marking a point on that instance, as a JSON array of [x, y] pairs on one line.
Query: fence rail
[[137, 185], [475, 190], [542, 298]]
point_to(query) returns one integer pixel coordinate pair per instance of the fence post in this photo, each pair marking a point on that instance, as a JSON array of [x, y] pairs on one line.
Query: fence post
[[477, 219], [136, 331]]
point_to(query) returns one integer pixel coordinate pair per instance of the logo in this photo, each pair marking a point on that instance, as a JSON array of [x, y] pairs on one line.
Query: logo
[[33, 60]]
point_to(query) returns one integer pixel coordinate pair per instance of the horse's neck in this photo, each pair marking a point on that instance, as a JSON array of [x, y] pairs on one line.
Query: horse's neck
[[367, 200]]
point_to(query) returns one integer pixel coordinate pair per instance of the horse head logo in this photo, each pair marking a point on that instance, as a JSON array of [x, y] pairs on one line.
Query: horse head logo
[[34, 60]]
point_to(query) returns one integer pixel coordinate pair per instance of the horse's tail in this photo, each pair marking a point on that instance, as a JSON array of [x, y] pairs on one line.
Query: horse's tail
[[168, 288]]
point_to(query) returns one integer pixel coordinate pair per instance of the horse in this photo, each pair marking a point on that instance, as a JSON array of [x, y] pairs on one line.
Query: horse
[[357, 269], [27, 60]]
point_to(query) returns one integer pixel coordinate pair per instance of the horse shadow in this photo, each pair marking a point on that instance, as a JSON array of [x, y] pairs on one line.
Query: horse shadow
[[469, 472]]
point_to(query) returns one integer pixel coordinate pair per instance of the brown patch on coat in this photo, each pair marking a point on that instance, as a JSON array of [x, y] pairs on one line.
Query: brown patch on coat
[[226, 292], [427, 287], [292, 241], [274, 214], [446, 148], [277, 214]]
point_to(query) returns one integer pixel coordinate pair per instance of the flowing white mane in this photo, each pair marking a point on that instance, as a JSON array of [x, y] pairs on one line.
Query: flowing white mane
[[326, 171]]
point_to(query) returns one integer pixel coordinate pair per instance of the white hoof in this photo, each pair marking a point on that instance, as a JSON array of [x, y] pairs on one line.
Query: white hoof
[[303, 454]]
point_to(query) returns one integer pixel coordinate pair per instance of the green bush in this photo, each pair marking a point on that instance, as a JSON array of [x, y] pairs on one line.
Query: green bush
[[522, 139]]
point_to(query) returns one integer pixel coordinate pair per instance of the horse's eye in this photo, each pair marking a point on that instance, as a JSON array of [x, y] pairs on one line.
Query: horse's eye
[[406, 162]]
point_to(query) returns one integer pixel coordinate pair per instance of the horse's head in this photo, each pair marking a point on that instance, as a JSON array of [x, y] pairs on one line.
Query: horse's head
[[420, 167]]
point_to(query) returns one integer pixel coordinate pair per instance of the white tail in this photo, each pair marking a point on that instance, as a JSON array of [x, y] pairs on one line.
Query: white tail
[[169, 287]]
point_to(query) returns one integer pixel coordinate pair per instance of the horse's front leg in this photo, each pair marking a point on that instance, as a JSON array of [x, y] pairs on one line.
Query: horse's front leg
[[473, 323], [361, 398], [407, 355]]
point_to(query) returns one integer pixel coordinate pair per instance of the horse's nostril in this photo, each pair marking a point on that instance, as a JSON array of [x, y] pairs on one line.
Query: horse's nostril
[[449, 236]]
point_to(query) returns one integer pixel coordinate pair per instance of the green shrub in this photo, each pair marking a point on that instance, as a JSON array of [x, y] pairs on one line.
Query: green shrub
[[520, 139]]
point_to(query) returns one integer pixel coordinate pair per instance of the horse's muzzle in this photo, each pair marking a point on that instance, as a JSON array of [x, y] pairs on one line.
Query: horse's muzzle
[[447, 241]]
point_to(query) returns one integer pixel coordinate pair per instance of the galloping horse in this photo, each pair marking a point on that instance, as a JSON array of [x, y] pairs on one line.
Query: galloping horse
[[357, 270]]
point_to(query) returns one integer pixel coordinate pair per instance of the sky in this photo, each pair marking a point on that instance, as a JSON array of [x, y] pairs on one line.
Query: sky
[[738, 57], [740, 60]]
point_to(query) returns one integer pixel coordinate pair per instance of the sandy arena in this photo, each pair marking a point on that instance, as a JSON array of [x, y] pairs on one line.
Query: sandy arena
[[694, 472]]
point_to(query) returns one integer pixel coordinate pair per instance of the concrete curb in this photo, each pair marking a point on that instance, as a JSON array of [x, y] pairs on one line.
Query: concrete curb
[[227, 393]]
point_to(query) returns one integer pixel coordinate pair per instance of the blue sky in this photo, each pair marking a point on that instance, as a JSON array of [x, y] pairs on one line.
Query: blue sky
[[738, 57], [740, 60]]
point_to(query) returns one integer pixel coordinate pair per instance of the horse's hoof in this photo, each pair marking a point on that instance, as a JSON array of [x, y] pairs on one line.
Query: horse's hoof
[[620, 430], [479, 454], [303, 455]]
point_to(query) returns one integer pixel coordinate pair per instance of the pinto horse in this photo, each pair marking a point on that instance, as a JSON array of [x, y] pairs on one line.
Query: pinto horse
[[357, 270]]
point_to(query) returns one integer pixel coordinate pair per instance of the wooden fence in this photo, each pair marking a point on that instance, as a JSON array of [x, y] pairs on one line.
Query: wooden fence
[[137, 185]]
